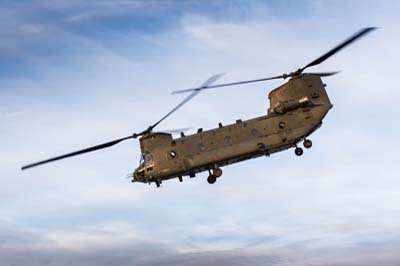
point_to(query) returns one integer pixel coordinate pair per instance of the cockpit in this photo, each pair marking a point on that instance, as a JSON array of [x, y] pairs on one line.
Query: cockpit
[[146, 166], [149, 145]]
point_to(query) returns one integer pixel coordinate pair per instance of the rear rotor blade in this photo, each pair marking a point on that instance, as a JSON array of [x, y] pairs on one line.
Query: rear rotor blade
[[204, 85], [176, 130], [94, 148], [228, 84], [322, 58]]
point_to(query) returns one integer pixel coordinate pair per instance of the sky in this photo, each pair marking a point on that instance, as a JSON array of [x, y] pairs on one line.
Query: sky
[[77, 73]]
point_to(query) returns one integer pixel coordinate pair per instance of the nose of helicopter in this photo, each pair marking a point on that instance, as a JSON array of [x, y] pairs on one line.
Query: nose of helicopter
[[138, 175]]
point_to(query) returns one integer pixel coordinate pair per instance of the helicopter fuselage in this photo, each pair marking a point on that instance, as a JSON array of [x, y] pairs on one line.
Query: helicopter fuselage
[[296, 110]]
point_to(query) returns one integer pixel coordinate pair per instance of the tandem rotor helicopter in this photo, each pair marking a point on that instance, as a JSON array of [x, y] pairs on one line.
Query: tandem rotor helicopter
[[296, 110]]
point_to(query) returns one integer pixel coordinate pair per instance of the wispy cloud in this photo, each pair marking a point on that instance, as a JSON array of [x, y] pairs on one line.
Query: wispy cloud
[[105, 250], [94, 78]]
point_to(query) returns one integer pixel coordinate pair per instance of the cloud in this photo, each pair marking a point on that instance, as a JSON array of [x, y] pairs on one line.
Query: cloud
[[107, 251], [110, 86], [52, 31]]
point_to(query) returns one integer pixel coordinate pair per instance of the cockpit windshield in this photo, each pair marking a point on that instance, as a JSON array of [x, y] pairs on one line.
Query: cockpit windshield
[[146, 158], [146, 164]]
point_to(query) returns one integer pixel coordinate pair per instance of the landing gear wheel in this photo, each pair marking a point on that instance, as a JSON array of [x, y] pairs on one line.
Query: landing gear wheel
[[217, 172], [211, 179], [298, 151], [307, 143]]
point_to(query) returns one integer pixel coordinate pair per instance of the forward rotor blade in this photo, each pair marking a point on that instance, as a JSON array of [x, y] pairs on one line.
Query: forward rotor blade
[[322, 74], [227, 84], [321, 59], [204, 85], [94, 148]]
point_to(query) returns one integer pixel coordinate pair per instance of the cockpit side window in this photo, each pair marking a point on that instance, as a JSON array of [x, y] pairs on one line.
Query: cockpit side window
[[148, 158]]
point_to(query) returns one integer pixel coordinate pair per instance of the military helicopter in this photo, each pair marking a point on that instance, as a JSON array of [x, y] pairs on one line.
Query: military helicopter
[[296, 110]]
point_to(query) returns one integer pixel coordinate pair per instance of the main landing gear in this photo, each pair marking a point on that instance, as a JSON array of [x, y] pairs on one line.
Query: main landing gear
[[211, 179], [298, 151], [306, 143], [214, 174]]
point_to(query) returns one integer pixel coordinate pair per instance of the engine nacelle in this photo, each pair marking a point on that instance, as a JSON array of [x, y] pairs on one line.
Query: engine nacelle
[[283, 107]]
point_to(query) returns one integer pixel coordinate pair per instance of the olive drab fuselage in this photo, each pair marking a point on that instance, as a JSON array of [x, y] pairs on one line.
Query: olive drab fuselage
[[296, 109]]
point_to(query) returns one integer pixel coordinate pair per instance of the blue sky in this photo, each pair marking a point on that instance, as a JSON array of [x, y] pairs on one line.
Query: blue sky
[[74, 74]]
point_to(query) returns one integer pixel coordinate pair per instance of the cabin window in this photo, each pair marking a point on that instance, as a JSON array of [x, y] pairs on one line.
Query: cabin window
[[254, 132], [228, 140], [261, 146], [173, 154], [149, 158], [315, 95]]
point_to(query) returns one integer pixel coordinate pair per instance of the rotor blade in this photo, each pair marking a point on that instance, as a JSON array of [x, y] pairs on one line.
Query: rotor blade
[[322, 74], [94, 148], [205, 84], [227, 84], [321, 59], [176, 130]]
